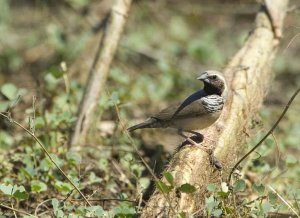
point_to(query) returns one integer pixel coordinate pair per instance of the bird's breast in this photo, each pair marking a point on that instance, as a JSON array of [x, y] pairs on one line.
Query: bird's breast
[[212, 103]]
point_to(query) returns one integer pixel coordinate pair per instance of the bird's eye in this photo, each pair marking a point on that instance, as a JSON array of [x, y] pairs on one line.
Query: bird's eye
[[214, 77]]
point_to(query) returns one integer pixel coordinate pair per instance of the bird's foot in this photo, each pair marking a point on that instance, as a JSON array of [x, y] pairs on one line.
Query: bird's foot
[[215, 162]]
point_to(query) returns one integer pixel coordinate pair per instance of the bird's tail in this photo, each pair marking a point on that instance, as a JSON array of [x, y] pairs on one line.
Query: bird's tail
[[150, 123]]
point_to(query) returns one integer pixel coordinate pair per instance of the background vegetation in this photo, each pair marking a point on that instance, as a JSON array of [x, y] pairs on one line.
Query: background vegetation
[[46, 51]]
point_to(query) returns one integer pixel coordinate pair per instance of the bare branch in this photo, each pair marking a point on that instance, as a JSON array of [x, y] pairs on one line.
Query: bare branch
[[99, 71]]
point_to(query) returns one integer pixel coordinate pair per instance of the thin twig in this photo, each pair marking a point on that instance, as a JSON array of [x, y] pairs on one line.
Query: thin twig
[[105, 199], [39, 205], [266, 136], [284, 201], [12, 207], [290, 42], [16, 210], [32, 123], [47, 153], [256, 199], [277, 150]]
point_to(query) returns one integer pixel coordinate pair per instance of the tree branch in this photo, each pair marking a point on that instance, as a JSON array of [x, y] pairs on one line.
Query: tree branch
[[99, 71]]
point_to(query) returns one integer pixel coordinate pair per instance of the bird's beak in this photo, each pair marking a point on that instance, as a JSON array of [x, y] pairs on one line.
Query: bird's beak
[[204, 78]]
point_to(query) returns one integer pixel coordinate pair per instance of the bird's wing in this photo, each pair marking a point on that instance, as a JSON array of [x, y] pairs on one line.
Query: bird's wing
[[194, 109], [189, 100], [199, 107], [176, 110]]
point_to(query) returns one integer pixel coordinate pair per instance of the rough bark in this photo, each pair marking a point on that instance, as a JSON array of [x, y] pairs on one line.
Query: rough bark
[[99, 71], [248, 75]]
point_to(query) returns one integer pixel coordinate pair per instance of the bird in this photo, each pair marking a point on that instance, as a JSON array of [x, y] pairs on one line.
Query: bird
[[198, 111]]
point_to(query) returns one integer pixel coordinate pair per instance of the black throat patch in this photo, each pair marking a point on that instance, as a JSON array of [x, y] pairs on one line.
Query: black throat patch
[[216, 88]]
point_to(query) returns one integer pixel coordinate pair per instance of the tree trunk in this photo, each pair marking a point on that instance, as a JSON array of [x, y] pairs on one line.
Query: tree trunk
[[248, 75]]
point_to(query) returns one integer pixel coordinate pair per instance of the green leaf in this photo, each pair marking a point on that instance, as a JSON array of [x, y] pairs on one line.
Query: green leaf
[[211, 187], [290, 160], [123, 210], [51, 81], [21, 194], [217, 213], [38, 186], [239, 185], [4, 105], [6, 189], [266, 206], [137, 169], [73, 158], [56, 72], [9, 90], [187, 188], [96, 211], [182, 215], [169, 178], [5, 140], [144, 182], [57, 211], [94, 179], [222, 194], [15, 191], [55, 204], [63, 187], [260, 189], [39, 122], [163, 187], [59, 214], [103, 164], [114, 99], [30, 171], [272, 198], [56, 208], [57, 160], [210, 204]]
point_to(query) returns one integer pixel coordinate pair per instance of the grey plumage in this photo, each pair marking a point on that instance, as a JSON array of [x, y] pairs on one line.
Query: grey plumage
[[198, 111]]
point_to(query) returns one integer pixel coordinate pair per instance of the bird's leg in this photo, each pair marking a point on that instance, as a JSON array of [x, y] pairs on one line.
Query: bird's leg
[[180, 132], [200, 136], [197, 136]]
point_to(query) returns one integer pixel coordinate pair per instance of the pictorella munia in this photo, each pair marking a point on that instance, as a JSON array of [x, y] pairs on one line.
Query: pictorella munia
[[198, 111]]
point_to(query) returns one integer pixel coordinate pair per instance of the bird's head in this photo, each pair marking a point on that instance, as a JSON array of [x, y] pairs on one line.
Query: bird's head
[[214, 82]]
